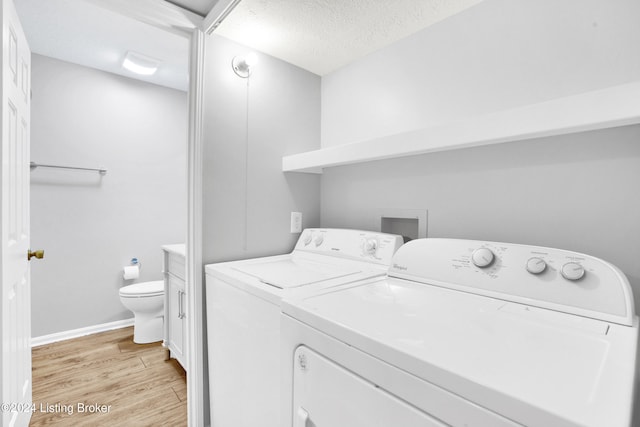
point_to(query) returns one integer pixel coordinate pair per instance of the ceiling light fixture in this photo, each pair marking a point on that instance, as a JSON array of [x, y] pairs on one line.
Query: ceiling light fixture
[[242, 65], [140, 64]]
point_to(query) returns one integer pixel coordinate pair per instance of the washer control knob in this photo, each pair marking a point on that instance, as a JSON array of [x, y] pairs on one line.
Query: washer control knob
[[536, 265], [370, 246], [572, 271], [482, 257], [307, 238], [319, 239]]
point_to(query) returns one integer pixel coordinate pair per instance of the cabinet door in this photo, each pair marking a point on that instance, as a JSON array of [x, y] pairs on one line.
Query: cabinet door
[[176, 302]]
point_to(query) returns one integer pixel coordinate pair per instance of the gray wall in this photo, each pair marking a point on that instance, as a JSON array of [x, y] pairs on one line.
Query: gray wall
[[90, 226], [576, 192], [495, 55], [248, 127]]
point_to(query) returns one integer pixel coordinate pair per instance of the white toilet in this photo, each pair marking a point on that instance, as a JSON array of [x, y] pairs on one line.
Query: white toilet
[[146, 300]]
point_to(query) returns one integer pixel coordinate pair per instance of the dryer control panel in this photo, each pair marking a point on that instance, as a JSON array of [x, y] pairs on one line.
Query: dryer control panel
[[366, 246], [556, 279]]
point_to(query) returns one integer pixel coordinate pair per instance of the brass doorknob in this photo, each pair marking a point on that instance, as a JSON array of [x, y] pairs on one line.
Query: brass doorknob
[[38, 254]]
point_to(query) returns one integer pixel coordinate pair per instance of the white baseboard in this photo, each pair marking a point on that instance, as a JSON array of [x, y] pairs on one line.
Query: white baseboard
[[76, 333]]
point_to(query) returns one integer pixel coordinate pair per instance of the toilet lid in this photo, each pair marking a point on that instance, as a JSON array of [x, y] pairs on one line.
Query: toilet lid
[[144, 289]]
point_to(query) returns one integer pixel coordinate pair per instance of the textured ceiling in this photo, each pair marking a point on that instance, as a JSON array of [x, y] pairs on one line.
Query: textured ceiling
[[324, 35], [317, 35]]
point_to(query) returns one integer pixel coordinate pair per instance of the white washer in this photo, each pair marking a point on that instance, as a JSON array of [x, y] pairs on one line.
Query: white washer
[[243, 315], [465, 333]]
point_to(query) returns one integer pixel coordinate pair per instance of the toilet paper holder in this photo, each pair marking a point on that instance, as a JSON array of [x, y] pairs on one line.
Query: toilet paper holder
[[132, 271]]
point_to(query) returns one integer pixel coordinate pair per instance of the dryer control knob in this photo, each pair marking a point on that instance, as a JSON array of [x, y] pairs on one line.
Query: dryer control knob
[[572, 271], [370, 246], [307, 238], [536, 265], [482, 257], [319, 239]]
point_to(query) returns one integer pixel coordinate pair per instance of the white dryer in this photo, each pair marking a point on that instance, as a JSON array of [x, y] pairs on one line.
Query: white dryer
[[243, 315], [465, 333]]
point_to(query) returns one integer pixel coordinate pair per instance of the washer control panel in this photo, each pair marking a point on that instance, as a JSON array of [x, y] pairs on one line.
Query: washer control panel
[[550, 278], [536, 265], [367, 246], [482, 257], [572, 270]]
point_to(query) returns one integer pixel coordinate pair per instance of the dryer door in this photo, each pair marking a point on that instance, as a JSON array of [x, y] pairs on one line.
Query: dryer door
[[327, 395]]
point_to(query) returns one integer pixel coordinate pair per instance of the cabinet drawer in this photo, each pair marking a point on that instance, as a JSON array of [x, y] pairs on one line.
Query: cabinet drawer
[[176, 266]]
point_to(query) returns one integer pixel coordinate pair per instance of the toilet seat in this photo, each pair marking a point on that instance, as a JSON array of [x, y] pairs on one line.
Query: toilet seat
[[144, 289]]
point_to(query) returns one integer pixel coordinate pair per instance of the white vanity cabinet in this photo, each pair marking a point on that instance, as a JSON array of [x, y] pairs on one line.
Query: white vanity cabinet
[[175, 302]]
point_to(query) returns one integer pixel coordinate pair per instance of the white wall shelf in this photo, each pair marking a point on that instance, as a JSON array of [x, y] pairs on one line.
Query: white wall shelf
[[600, 109]]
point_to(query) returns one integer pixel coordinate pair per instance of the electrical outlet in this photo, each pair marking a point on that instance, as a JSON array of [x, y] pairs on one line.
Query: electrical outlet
[[296, 222]]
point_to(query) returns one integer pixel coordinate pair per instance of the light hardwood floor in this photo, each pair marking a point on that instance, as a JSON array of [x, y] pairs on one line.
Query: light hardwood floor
[[133, 384]]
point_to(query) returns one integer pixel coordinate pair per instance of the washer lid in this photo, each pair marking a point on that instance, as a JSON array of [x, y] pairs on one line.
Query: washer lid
[[143, 289], [517, 360], [292, 272]]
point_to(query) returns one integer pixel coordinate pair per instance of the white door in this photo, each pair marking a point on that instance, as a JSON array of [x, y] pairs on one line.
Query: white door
[[15, 313]]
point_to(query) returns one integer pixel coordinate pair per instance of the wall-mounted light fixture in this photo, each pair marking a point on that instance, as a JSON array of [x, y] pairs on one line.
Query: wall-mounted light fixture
[[242, 65], [140, 64]]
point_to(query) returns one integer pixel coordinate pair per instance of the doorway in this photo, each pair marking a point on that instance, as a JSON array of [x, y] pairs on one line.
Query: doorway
[[90, 224]]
